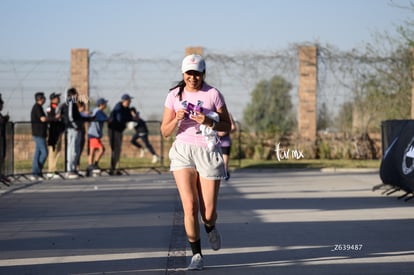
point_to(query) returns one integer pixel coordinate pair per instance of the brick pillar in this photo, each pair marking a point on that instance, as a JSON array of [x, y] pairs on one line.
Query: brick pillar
[[307, 92], [79, 72], [412, 85], [194, 50]]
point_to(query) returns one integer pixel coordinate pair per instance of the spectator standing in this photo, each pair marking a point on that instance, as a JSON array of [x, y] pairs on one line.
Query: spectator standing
[[39, 132], [54, 140], [85, 117], [73, 123], [95, 134], [3, 121], [118, 118], [141, 132]]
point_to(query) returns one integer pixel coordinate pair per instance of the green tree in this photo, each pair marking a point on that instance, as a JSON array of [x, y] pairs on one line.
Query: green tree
[[383, 92], [343, 120], [381, 81], [407, 29], [270, 107], [387, 95], [324, 118]]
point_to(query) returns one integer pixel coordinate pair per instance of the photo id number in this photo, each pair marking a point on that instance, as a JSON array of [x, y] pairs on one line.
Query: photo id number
[[347, 247]]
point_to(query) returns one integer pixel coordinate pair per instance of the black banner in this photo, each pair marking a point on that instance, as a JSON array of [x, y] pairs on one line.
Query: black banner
[[397, 165], [6, 149]]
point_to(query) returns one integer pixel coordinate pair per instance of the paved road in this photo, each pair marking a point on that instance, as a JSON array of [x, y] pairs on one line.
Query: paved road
[[280, 222]]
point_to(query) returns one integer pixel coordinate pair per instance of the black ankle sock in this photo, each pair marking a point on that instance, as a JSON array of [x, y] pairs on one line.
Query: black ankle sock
[[196, 247], [209, 228]]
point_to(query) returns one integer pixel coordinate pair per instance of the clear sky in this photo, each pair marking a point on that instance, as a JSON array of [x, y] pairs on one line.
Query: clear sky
[[42, 32], [48, 29]]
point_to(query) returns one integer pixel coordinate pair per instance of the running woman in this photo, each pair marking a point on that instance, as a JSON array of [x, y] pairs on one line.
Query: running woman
[[197, 170]]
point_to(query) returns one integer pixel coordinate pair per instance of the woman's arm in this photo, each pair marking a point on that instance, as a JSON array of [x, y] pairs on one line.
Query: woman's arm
[[170, 120], [233, 127], [224, 125]]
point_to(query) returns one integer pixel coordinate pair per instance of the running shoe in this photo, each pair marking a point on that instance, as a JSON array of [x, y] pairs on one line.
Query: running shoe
[[197, 262], [227, 177], [155, 159], [72, 175], [35, 178], [214, 239]]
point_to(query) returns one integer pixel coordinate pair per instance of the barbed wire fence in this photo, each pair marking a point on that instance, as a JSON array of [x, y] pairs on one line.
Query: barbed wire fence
[[236, 75], [21, 79], [148, 80]]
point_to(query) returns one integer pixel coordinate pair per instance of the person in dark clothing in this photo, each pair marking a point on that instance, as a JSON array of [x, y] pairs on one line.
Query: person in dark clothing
[[3, 122], [54, 140], [73, 123], [141, 132], [118, 118], [39, 133], [85, 117]]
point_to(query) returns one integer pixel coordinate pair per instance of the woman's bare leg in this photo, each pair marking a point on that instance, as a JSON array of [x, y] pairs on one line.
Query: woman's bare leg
[[186, 180]]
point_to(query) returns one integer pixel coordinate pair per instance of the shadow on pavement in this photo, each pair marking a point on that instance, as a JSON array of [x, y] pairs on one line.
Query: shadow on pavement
[[302, 222]]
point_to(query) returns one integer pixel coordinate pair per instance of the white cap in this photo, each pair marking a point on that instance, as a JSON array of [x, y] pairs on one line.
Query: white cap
[[193, 62]]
